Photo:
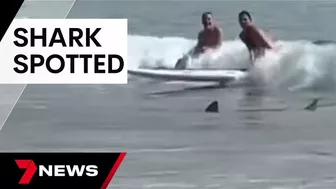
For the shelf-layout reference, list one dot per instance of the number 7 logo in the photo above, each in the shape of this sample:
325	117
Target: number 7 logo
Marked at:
30	167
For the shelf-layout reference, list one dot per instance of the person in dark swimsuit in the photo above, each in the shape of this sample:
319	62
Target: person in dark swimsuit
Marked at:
254	38
209	38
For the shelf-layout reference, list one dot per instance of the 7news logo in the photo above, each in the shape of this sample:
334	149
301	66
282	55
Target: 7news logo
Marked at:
94	170
54	170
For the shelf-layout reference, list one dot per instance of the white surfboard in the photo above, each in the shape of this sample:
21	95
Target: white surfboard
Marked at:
190	75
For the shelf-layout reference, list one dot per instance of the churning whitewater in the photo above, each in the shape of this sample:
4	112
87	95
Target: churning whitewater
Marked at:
298	65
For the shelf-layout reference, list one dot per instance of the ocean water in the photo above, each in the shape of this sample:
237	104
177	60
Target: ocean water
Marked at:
262	138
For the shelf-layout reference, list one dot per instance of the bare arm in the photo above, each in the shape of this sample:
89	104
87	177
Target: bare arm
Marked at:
258	35
198	45
219	37
200	40
252	56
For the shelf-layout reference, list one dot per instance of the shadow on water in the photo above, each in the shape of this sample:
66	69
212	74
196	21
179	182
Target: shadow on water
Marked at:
250	106
254	102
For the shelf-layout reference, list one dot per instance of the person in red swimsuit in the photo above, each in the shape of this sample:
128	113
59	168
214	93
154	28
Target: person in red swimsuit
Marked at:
254	38
209	38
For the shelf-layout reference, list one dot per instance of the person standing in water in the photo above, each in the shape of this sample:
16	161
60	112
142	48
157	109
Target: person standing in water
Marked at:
209	38
254	38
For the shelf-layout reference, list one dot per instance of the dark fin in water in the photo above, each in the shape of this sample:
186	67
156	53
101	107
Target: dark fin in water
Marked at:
324	42
213	107
313	105
244	69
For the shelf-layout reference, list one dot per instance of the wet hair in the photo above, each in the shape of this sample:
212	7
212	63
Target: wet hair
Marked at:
204	14
244	12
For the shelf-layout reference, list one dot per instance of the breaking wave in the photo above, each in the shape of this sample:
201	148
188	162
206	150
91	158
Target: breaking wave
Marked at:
298	65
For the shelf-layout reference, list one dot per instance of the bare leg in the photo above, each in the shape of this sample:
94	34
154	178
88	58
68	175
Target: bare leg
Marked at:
181	63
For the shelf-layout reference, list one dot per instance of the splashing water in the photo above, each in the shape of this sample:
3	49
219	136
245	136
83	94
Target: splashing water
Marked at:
298	65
